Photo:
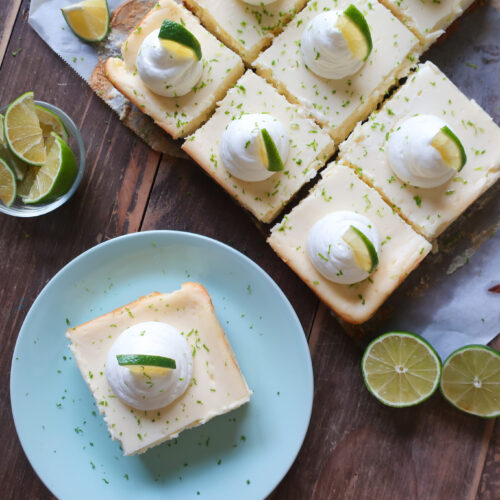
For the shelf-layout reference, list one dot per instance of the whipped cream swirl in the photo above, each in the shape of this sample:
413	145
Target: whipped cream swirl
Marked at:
330	254
165	71
325	49
142	391
241	147
412	157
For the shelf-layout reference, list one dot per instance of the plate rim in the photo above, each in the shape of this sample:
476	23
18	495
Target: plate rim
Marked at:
173	234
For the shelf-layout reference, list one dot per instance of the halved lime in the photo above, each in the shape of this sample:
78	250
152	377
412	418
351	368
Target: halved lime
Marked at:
450	148
401	369
18	167
269	153
50	122
146	364
22	130
364	252
356	31
471	380
175	32
7	184
89	20
56	176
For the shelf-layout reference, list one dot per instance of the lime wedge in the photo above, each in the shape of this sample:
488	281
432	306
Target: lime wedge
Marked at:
450	148
356	31
50	122
145	364
7	184
22	130
471	380
89	20
56	176
18	167
401	369
364	252
24	185
269	153
175	32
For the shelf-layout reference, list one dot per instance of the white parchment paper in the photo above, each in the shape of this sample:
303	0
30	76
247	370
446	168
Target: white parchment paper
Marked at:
452	309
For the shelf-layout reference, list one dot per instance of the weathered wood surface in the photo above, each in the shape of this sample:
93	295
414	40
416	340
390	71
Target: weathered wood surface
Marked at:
355	448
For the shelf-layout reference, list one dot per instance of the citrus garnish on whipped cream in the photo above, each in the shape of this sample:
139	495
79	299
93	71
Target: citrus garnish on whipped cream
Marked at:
336	44
169	60
248	153
424	152
150	389
336	256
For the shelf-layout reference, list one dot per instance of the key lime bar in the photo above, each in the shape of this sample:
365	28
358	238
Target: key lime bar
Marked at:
178	116
245	28
427	18
217	386
401	248
309	150
429	210
338	105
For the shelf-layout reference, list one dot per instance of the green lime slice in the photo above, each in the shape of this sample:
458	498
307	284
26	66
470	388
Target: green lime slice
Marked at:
274	162
170	30
89	20
8	188
18	167
50	122
401	369
471	380
356	31
364	252
22	130
450	148
56	176
146	364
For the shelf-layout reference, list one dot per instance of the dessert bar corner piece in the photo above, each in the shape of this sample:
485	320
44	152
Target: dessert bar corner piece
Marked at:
427	91
245	28
178	116
218	383
310	147
401	251
337	105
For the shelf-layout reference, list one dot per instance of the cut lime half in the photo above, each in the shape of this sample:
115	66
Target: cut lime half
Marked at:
471	380
364	252
175	32
356	31
146	364
401	369
50	122
7	184
89	20
450	148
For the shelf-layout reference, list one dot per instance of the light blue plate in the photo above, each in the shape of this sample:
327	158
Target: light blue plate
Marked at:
243	454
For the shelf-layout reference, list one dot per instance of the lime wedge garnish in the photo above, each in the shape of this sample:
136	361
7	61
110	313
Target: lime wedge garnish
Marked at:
364	252
50	122
270	155
56	176
7	184
356	31
147	364
175	32
471	380
22	130
17	166
450	148
89	20
401	369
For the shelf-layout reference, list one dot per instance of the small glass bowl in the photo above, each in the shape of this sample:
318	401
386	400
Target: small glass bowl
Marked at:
75	142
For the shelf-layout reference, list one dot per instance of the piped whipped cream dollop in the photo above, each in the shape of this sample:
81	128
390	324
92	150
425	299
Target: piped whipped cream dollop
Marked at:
241	148
325	50
330	254
412	157
167	68
142	391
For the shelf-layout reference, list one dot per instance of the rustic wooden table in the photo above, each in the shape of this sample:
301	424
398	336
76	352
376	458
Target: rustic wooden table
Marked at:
355	447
